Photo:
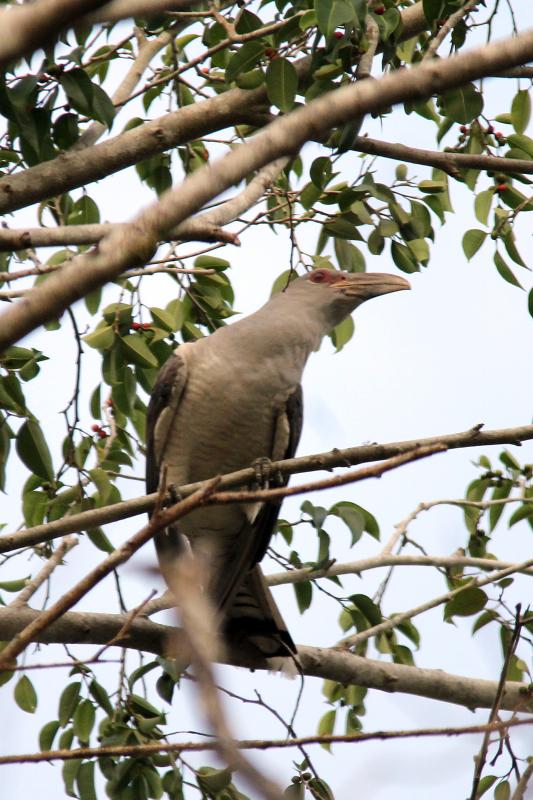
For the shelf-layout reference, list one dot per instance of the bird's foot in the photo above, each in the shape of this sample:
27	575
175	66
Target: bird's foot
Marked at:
265	475
263	472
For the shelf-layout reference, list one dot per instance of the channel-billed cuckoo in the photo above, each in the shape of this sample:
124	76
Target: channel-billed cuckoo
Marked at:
228	401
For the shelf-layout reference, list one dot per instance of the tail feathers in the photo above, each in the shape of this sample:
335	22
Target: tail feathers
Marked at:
254	619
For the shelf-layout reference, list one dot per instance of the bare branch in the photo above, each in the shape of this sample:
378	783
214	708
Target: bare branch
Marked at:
520	791
254	744
388	625
331	663
137	241
55	559
447	161
380	561
336	458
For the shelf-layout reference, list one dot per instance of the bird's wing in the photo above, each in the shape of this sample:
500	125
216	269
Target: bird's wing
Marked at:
164	401
252	617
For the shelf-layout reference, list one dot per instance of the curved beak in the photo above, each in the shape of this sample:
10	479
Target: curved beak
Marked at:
365	285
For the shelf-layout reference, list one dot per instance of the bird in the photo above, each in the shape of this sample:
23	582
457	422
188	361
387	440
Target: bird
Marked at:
230	400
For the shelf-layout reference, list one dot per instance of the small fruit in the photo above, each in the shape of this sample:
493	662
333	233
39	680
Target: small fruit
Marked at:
95	427
146	326
271	52
338	34
499	135
136	326
464	128
102	434
379	10
501	187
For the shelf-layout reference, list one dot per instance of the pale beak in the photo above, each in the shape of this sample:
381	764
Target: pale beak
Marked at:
365	285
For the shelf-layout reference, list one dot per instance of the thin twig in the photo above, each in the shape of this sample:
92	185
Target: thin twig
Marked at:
44	573
254	744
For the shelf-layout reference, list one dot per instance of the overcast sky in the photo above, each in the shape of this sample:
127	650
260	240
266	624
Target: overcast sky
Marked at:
454	352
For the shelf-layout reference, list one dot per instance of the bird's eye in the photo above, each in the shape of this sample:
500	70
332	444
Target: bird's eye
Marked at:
318	276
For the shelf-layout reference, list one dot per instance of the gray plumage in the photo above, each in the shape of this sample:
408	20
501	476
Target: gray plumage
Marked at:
221	403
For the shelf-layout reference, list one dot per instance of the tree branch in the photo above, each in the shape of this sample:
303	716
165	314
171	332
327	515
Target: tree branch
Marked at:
388	625
380	561
447	161
140	750
72	170
161	519
447	27
136	242
335	458
26	28
331	663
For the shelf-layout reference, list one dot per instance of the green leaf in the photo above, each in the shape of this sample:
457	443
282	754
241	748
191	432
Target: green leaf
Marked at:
472	241
244	59
462	104
351	516
138	351
331	15
505	271
403	258
485	784
85	781
466	603
304	595
512	250
342	333
83	721
212	780
500	493
319	788
33	450
367	607
482	206
68	701
14	586
530	302
25	695
69	772
502	791
101	697
326	726
101	338
47	734
521	110
281	83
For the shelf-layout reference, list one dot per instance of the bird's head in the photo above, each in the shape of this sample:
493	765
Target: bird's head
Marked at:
333	295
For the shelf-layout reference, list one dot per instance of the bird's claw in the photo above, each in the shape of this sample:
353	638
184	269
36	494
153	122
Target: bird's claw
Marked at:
265	475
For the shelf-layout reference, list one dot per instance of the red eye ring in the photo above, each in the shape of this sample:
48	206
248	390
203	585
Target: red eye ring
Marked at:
318	276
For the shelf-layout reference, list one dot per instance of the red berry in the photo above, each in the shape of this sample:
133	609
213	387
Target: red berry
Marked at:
379	10
95	427
464	129
146	326
205	70
102	434
501	187
338	34
136	326
498	135
271	52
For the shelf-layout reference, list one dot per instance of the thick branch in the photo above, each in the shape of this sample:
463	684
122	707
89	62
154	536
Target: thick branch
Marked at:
331	663
26	28
203	228
137	241
449	162
334	458
72	170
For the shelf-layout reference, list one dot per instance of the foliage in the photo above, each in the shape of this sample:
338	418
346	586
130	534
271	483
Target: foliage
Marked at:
280	55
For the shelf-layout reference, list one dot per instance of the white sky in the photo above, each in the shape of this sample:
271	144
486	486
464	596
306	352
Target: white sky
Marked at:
453	352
